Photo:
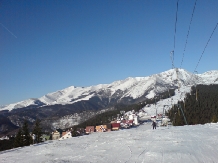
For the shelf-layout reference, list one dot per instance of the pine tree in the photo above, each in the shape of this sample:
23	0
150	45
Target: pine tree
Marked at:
18	142
201	111
37	131
26	135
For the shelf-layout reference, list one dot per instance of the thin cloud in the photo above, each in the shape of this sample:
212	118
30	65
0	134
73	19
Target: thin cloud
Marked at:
8	30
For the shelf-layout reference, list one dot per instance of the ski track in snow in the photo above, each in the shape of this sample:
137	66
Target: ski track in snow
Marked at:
142	144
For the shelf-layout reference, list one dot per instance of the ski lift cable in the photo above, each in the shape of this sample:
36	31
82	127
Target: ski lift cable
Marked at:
193	11
174	39
205	47
215	80
172	53
172	58
186	40
195	83
203	51
174	46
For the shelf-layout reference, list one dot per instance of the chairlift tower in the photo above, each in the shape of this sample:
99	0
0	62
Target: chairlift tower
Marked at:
182	114
196	91
156	105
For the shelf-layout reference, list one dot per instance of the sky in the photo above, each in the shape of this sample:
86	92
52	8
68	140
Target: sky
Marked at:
189	144
49	45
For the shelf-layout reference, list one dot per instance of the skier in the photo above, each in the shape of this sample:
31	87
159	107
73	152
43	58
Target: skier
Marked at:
154	125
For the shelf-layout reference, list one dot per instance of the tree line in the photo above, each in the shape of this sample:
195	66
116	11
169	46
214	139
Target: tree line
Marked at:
23	137
199	107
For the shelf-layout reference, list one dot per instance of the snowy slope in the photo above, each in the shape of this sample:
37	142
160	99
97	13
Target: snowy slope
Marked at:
133	88
166	104
209	77
185	144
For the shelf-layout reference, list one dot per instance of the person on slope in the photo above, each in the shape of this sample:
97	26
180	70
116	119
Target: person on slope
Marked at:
154	125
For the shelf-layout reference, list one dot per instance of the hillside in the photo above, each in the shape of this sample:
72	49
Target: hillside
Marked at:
190	144
129	90
74	105
200	106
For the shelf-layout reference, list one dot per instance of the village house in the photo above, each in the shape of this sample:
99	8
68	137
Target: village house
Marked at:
66	135
55	135
115	126
101	128
90	129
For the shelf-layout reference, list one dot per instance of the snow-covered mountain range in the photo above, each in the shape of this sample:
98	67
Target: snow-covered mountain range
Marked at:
74	105
129	90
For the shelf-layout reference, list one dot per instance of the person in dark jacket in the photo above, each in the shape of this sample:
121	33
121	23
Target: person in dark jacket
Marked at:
154	125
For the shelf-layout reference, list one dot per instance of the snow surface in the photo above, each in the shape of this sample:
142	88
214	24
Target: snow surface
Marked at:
189	144
132	87
166	104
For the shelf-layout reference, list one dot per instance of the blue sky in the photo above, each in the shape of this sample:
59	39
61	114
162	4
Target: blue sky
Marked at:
49	45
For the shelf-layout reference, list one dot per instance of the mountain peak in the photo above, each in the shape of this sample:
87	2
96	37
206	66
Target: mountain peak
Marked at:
131	88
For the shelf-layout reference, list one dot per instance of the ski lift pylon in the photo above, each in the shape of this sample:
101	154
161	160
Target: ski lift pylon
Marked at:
196	91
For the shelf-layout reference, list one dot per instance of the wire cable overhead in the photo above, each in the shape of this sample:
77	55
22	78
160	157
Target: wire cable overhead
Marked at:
174	41
193	11
205	47
195	70
177	6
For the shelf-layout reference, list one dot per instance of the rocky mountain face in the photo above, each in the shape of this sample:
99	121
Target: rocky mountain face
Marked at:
81	103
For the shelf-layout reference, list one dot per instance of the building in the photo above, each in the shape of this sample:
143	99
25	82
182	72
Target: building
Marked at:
115	126
90	129
55	135
66	135
101	128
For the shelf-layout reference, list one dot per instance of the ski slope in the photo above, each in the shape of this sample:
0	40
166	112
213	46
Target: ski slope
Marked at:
167	103
189	144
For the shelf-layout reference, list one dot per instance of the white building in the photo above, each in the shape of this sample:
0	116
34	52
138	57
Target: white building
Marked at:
66	136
